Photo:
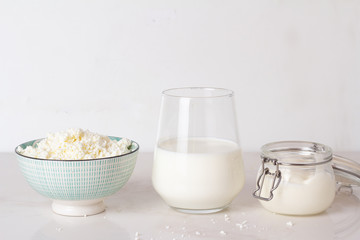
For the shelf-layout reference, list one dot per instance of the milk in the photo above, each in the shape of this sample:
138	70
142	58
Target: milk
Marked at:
300	192
198	173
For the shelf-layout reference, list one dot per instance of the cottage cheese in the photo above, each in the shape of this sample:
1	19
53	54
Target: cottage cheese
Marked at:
76	144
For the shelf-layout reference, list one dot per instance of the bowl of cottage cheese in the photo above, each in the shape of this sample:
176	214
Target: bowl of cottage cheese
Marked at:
77	168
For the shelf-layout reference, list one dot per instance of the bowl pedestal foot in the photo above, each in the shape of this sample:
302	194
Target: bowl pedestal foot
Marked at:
81	208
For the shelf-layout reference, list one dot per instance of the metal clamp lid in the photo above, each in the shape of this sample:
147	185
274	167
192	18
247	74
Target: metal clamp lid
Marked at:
264	172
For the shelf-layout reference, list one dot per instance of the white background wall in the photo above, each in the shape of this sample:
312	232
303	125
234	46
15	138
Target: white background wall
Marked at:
101	65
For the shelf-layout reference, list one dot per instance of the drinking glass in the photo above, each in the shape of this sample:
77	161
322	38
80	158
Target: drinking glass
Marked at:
198	166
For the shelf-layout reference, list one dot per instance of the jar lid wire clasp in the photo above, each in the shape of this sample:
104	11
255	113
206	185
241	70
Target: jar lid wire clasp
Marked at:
276	178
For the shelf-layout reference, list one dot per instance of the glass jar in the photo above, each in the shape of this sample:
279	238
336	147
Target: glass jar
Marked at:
296	178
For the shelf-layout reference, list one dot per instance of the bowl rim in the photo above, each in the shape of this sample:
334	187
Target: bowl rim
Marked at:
78	160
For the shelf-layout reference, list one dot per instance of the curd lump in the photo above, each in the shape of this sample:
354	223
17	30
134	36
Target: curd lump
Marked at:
76	144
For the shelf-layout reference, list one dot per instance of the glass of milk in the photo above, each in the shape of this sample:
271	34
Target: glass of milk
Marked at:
198	166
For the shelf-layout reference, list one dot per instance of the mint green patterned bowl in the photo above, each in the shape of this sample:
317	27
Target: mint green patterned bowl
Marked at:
78	187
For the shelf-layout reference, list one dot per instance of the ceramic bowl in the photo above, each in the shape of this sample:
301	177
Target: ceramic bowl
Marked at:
77	187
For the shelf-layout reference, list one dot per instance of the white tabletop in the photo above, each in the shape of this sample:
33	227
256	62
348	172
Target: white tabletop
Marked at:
137	212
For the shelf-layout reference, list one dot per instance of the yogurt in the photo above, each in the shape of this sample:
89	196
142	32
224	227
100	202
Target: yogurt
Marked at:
301	193
198	173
